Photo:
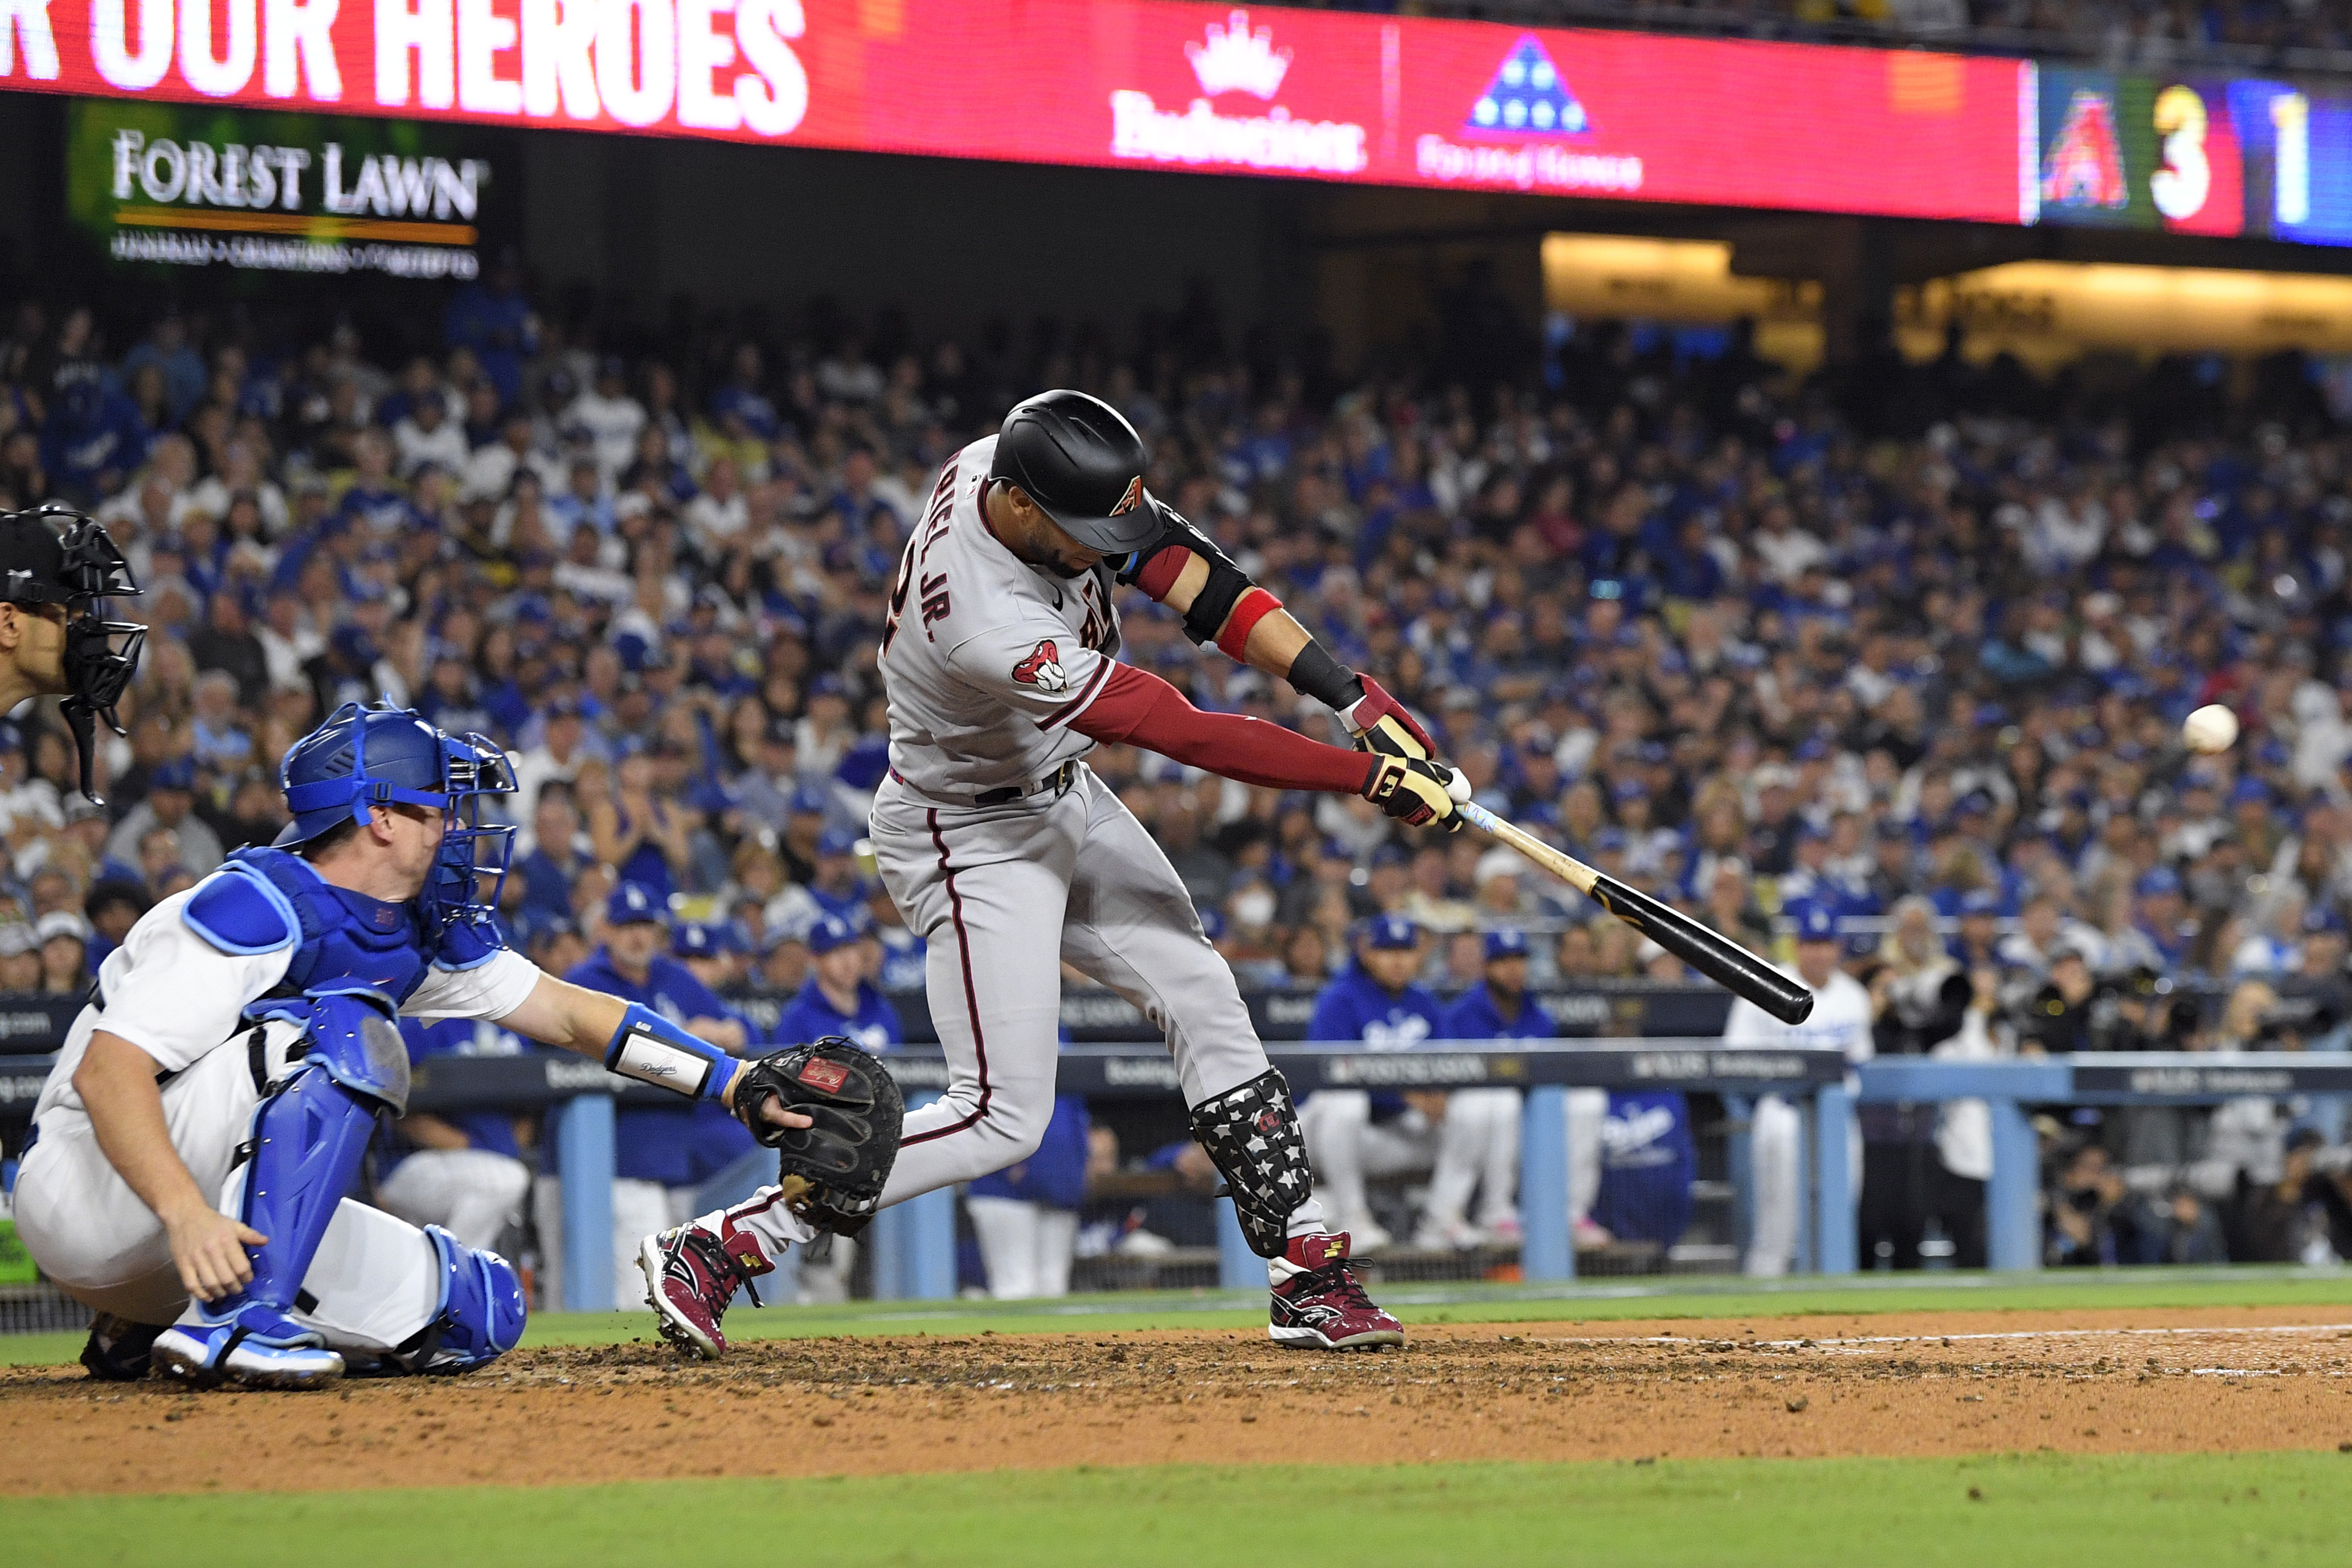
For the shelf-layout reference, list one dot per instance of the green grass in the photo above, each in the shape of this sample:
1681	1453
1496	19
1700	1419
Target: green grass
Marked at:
2280	1510
1598	1301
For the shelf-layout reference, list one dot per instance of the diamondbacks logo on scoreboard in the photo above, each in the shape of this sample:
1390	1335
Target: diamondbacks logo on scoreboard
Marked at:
2084	167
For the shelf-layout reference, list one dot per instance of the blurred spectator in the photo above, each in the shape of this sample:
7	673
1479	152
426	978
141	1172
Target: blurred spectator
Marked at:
1478	1149
663	1155
462	1170
1841	1019
1353	1135
839	999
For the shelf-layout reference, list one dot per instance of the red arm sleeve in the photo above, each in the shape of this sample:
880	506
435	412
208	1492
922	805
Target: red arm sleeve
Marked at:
1138	708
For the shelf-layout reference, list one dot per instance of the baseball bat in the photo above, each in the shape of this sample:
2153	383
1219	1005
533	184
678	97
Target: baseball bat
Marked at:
1728	964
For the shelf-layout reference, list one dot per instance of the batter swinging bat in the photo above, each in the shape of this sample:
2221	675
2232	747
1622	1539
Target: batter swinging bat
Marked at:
1738	971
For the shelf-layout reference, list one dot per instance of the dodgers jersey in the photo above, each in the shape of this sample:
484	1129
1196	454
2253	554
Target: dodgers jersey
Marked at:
987	658
175	995
1839	1021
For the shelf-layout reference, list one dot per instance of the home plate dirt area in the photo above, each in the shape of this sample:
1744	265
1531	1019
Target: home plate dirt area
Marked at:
1878	1385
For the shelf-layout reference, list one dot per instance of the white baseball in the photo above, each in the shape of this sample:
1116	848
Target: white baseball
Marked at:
2211	728
1458	787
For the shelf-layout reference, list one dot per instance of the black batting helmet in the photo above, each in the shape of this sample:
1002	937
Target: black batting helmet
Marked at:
1083	463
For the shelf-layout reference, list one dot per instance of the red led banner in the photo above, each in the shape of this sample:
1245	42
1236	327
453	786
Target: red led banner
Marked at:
1318	95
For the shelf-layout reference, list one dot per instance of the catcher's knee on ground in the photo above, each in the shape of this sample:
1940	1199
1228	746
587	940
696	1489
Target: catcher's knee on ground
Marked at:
381	1290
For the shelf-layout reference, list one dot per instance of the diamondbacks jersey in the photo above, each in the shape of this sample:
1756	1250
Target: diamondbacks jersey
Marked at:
987	659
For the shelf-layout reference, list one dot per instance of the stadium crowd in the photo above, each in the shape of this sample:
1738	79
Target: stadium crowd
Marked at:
1902	646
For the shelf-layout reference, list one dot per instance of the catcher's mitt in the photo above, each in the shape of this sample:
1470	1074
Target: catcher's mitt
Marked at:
832	1172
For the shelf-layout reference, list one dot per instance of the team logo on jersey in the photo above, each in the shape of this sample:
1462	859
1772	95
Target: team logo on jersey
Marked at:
1132	500
1043	668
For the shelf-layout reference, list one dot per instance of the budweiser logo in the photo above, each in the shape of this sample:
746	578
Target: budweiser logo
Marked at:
1236	59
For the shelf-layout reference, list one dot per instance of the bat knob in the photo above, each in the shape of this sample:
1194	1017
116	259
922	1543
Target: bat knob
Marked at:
1458	787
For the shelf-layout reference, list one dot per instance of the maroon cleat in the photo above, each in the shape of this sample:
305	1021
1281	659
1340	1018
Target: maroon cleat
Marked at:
1321	1307
691	1276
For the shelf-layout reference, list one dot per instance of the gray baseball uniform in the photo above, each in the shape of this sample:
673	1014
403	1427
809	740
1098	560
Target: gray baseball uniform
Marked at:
1002	848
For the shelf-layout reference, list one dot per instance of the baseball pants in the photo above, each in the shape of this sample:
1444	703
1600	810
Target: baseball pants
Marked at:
472	1194
1002	896
375	1279
1025	1247
1776	1141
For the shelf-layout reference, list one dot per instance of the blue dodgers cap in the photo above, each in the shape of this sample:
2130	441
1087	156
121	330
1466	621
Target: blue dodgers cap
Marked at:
1815	923
829	932
180	773
695	940
808	800
1213	924
1391	854
1391	932
837	842
632	904
2156	883
1981	901
1505	943
2249	791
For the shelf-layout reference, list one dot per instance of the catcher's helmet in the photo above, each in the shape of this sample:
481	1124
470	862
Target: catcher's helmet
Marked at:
362	757
1083	463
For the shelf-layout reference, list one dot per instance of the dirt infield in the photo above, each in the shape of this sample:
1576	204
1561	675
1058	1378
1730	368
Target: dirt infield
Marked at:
1891	1385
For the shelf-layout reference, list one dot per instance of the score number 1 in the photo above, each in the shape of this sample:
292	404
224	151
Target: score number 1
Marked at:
2291	176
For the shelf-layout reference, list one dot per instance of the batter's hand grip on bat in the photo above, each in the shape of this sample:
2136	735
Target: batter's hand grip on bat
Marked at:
1725	963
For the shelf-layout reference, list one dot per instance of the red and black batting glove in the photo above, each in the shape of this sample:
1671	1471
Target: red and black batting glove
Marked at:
1381	726
1417	793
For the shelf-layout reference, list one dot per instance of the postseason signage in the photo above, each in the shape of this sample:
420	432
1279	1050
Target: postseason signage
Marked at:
1117	83
189	186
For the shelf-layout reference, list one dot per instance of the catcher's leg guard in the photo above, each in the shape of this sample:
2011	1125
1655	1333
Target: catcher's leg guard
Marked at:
309	1138
1251	1132
480	1314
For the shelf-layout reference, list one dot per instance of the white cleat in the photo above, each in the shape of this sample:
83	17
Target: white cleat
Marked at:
219	1354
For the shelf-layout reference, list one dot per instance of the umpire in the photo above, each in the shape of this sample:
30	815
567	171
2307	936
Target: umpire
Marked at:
56	568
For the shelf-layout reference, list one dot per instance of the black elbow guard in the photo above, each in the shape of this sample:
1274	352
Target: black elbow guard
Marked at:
1226	584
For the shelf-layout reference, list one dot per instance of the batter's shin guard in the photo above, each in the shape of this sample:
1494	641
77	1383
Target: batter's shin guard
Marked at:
308	1139
1252	1134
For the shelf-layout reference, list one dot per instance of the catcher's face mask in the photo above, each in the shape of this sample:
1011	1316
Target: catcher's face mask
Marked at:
100	655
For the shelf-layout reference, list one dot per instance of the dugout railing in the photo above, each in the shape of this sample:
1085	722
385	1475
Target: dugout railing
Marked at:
914	1244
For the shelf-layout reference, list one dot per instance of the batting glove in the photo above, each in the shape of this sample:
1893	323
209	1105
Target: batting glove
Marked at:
1417	793
1381	726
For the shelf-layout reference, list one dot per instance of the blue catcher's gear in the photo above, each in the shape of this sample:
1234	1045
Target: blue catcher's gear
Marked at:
650	1048
455	901
479	1316
365	758
262	900
309	1138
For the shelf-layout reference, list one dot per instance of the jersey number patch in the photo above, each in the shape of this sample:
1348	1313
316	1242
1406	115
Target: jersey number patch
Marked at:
1043	670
